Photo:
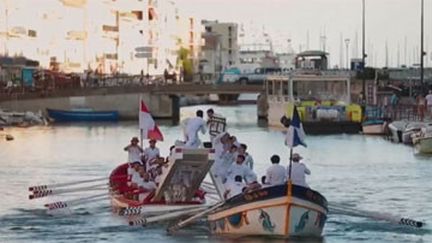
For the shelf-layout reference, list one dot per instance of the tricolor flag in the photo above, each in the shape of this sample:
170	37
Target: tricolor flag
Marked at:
148	127
295	135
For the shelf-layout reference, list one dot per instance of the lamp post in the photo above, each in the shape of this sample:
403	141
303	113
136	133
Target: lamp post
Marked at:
347	42
422	52
363	57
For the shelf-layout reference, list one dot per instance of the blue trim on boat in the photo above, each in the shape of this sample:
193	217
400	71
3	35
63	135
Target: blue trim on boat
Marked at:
82	115
272	192
372	122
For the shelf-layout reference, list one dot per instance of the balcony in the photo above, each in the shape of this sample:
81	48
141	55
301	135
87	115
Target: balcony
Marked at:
110	28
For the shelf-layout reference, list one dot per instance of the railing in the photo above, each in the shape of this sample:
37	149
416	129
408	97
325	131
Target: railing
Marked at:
397	112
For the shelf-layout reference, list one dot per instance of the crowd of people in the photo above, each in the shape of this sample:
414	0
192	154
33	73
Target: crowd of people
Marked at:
233	169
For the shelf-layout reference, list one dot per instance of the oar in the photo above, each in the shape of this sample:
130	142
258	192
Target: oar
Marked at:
64	204
45	193
159	218
142	210
46	187
376	215
195	217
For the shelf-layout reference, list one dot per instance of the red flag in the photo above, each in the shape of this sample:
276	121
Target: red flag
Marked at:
147	124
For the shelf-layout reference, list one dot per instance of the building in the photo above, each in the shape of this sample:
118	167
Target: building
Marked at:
107	36
223	49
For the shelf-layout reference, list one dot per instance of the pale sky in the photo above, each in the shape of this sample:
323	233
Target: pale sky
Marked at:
386	20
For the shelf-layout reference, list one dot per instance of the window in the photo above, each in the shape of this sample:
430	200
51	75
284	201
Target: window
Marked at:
208	29
229	52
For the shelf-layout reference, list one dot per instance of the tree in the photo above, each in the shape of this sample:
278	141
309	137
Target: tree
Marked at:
184	60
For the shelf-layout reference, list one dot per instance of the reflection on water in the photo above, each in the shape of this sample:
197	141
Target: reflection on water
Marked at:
367	173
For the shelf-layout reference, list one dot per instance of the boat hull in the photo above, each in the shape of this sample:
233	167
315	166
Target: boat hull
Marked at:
82	116
395	132
280	217
373	129
423	145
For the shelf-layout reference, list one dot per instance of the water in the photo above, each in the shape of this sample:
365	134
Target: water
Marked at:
367	173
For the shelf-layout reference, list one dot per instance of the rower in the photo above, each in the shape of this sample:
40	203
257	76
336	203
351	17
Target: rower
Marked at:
134	150
146	185
239	168
193	126
276	173
298	171
235	187
248	158
150	153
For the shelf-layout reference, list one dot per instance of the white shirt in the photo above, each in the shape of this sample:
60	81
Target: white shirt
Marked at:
150	154
242	170
134	154
234	188
193	126
249	161
136	178
299	171
147	185
276	174
429	99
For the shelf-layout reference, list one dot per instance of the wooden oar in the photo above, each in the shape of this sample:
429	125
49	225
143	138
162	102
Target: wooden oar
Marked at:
45	193
167	216
194	217
143	210
375	215
64	204
46	187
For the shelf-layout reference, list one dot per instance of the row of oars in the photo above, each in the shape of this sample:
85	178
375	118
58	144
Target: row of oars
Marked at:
41	191
154	214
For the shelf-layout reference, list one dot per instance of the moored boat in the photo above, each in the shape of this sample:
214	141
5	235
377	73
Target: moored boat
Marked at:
423	140
396	129
79	115
374	127
280	211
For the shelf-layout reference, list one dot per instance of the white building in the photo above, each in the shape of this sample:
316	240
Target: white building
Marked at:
220	50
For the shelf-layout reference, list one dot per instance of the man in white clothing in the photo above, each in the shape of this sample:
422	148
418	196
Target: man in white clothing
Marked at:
234	188
239	168
146	185
216	124
276	173
193	126
248	158
298	171
134	150
150	153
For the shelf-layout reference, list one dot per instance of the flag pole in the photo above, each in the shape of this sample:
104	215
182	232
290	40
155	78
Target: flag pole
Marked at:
290	165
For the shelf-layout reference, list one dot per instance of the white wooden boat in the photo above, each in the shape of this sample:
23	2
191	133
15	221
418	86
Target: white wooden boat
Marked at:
280	211
423	140
374	127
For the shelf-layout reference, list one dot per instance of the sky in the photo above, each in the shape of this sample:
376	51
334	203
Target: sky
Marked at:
393	21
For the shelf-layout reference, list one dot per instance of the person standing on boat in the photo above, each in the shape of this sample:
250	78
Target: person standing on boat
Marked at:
248	158
276	173
239	168
193	126
150	154
134	150
298	171
216	124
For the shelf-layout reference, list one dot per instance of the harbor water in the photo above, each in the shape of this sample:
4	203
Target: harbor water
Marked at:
362	172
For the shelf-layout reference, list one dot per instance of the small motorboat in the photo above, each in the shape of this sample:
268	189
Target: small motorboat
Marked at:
396	130
374	127
82	115
423	140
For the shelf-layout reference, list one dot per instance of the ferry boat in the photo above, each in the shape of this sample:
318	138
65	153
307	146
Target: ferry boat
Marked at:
322	97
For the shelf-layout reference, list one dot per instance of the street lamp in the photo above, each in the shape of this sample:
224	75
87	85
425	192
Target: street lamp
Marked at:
363	56
347	41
